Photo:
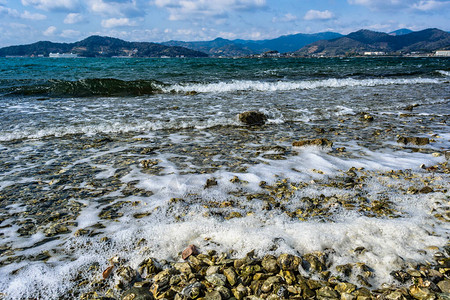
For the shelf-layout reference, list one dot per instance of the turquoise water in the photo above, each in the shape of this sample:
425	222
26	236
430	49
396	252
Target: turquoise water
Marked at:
93	152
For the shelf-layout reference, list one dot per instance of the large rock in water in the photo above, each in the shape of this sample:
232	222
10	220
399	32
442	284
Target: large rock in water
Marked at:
316	142
253	118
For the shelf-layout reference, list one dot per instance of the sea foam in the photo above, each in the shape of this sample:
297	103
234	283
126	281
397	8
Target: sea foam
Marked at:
264	86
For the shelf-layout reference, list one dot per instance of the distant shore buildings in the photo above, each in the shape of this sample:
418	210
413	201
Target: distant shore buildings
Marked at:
63	55
442	53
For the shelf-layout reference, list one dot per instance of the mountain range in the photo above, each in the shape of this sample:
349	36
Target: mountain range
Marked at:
320	44
282	44
98	46
361	41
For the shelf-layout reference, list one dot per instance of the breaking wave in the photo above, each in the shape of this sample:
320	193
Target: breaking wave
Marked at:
248	85
110	87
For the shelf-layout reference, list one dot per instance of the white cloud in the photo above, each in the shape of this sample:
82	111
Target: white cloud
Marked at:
9	11
286	18
429	5
396	5
183	9
117	22
50	31
318	15
374	3
58	5
73	18
128	8
30	16
69	33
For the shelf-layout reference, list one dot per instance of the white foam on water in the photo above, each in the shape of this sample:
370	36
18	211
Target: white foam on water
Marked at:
389	243
115	127
445	73
263	86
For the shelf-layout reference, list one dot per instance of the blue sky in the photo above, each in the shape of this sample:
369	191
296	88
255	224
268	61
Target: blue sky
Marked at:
27	21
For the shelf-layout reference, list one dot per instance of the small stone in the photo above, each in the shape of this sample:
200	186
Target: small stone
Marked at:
289	262
224	292
347	296
345	287
269	283
327	292
419	141
362	292
210	182
183	267
107	272
345	269
288	276
281	292
216	279
240	292
395	295
190	250
414	273
136	293
426	190
127	275
444	285
193	290
367	117
231	276
269	263
214	295
322	142
401	276
421	293
410	107
314	263
212	270
148	267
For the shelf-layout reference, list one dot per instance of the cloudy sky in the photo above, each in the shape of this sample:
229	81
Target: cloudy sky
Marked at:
27	21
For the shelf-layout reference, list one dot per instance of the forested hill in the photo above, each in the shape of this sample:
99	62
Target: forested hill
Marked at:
99	46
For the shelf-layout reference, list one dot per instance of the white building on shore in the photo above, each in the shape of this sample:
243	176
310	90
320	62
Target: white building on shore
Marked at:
62	55
442	53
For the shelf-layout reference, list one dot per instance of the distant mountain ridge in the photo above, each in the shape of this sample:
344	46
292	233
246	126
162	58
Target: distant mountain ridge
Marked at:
401	31
100	46
319	44
427	40
282	44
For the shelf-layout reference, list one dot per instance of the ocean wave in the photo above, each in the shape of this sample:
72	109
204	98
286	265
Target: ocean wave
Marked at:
110	87
262	86
87	88
445	73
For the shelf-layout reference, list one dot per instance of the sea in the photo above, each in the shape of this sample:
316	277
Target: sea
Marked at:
131	158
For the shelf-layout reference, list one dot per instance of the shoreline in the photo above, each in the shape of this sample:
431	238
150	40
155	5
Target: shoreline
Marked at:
215	276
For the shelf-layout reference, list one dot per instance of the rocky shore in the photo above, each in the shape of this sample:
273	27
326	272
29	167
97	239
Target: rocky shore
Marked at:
215	276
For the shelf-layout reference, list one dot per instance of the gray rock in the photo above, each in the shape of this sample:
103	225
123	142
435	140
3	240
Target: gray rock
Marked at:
269	263
214	295
135	293
444	285
216	279
231	276
193	290
289	262
253	118
327	292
